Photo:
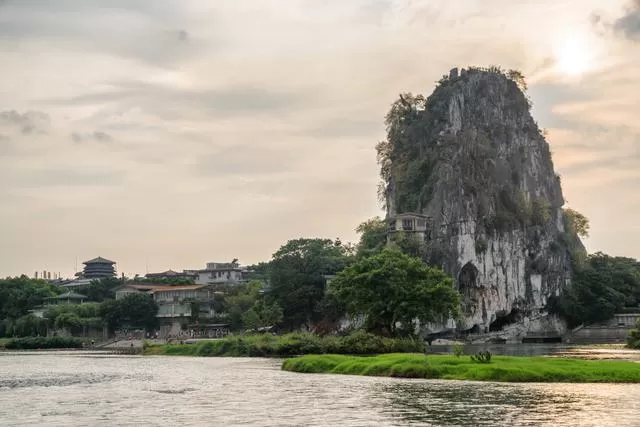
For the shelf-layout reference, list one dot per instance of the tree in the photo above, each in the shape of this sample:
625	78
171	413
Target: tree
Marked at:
392	290
102	289
134	310
373	236
601	287
20	294
297	277
577	222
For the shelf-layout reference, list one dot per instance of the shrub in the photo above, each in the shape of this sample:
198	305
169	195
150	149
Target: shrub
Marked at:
31	343
634	337
458	350
482	357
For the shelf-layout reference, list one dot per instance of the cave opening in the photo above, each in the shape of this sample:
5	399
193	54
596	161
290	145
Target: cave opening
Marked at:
514	316
468	277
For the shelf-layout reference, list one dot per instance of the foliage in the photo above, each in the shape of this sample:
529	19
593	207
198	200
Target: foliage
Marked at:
43	342
291	345
262	314
134	310
373	236
164	280
297	277
101	289
20	294
392	289
576	222
505	368
481	245
25	326
458	350
481	357
634	336
603	286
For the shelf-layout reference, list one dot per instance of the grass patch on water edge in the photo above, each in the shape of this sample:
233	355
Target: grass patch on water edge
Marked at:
501	368
295	344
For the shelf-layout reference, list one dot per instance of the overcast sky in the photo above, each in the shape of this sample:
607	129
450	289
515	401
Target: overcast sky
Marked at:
171	133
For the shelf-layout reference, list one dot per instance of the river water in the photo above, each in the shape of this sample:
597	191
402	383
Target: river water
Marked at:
83	389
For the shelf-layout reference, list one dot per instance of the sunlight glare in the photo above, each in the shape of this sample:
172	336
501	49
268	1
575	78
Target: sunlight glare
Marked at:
573	56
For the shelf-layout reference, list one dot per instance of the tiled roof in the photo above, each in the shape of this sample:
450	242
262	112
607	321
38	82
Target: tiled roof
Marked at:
99	260
179	288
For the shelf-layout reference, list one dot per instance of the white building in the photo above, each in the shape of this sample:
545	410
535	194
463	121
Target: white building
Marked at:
221	273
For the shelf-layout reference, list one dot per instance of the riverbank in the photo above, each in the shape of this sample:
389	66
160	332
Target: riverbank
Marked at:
294	344
501	368
41	343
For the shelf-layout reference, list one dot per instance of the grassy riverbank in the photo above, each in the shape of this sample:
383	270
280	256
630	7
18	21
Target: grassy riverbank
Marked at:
289	345
501	368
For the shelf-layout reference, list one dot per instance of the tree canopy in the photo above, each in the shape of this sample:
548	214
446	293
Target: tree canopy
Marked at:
392	290
297	277
601	287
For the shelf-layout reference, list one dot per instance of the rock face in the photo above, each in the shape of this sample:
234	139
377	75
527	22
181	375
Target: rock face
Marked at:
468	174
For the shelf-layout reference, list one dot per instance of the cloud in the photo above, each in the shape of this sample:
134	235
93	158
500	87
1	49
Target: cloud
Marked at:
55	177
25	123
170	102
629	24
97	136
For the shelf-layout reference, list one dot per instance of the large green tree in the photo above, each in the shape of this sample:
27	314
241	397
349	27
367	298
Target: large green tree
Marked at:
392	290
133	311
297	277
20	294
602	286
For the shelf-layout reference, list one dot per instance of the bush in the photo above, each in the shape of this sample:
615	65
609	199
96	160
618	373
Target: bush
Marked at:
43	342
482	357
634	337
458	350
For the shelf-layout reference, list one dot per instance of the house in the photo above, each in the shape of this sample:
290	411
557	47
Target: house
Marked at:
221	273
408	222
177	304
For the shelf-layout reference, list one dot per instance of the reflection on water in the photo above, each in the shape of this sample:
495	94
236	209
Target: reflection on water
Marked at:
446	403
68	389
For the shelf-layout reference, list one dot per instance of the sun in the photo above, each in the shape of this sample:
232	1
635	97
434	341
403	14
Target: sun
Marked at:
573	56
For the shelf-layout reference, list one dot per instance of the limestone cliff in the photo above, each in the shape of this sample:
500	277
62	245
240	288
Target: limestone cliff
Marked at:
469	173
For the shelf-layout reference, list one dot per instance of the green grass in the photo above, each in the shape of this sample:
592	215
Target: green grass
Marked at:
266	345
4	341
501	368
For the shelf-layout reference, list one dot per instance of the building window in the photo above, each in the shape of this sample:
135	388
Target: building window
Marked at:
392	225
407	224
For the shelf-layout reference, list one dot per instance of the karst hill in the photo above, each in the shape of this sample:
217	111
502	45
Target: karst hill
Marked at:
468	172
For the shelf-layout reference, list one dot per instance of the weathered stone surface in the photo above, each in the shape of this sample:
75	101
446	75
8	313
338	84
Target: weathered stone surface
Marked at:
474	162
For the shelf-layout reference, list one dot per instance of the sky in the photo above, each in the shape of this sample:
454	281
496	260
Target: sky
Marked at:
165	134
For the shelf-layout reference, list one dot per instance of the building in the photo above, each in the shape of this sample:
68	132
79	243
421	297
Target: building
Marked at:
408	222
98	268
68	297
176	304
221	273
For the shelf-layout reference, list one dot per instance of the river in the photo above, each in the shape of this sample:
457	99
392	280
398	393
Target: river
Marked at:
84	389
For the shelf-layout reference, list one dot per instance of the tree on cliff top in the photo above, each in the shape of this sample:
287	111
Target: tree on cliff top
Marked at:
392	289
